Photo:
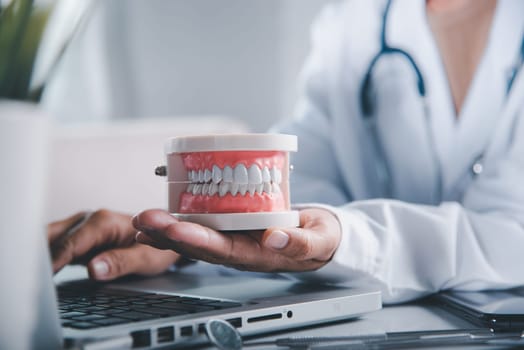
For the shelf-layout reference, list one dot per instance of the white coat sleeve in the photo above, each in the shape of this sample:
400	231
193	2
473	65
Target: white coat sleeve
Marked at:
412	250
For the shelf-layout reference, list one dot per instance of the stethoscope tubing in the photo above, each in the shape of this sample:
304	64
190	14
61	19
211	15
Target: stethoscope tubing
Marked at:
382	168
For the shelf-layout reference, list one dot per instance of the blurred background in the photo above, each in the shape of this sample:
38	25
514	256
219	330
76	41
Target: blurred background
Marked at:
140	72
164	58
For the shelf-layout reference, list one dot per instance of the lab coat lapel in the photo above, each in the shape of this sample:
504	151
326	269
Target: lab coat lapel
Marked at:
414	36
352	142
459	142
486	98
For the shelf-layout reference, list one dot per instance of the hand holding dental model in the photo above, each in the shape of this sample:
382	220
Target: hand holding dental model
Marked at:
78	239
305	248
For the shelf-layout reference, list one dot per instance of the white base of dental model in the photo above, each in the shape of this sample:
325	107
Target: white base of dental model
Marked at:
243	221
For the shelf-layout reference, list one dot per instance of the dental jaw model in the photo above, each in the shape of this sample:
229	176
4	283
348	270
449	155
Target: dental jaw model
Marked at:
231	182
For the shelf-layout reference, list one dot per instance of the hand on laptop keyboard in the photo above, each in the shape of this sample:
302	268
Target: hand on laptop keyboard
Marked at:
105	242
275	250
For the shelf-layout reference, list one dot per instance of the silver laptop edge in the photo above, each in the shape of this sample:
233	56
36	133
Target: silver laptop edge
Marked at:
271	315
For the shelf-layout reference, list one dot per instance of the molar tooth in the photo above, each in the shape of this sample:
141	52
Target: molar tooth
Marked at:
254	175
266	176
190	188
234	188
259	188
207	175
194	176
267	187
190	176
197	189
200	176
242	189
276	175
227	174
213	189
240	174
223	188
217	174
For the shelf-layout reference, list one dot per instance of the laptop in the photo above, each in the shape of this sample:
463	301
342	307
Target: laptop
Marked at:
170	310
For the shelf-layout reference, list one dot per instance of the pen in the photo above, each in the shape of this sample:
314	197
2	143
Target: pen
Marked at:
419	340
393	339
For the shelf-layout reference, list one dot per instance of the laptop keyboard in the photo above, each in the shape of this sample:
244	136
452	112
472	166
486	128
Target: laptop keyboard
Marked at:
81	309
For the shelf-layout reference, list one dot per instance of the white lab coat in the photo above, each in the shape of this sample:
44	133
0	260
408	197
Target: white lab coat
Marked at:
468	237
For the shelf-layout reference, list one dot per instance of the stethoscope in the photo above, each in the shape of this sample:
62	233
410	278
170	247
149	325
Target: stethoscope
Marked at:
367	105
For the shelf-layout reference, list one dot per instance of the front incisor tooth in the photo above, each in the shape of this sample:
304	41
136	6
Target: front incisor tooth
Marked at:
267	187
276	188
242	189
266	176
240	175
276	175
251	188
234	188
216	174
227	174
259	188
254	175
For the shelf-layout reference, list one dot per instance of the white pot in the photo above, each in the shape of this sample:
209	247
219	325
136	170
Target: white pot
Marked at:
24	261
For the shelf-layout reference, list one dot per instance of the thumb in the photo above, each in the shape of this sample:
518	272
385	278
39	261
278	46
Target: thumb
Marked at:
137	259
316	239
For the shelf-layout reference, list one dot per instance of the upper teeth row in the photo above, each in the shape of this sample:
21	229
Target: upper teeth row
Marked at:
238	175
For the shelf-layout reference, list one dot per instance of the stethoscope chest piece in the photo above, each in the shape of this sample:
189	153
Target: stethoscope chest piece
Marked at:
478	166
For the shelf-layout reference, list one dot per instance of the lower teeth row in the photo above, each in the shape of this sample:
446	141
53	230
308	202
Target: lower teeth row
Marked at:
233	188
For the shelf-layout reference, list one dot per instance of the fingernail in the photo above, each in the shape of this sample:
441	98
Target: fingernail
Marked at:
138	225
277	240
159	218
100	268
143	238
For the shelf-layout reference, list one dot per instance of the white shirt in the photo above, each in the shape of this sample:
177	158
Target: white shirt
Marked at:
443	228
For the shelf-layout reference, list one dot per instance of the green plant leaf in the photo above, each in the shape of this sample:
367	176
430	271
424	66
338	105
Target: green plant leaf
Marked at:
22	25
27	52
13	22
